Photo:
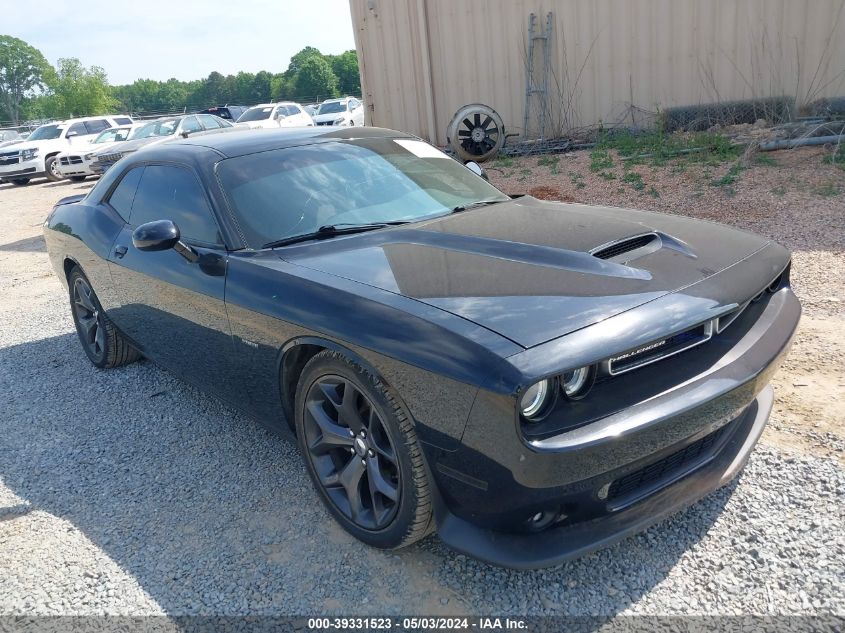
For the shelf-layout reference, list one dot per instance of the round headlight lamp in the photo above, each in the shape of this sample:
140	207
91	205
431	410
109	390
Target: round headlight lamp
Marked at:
576	383
534	400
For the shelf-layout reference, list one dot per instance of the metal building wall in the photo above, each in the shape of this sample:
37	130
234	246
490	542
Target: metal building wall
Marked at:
423	59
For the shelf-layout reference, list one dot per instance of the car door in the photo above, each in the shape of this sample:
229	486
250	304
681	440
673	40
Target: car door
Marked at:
172	308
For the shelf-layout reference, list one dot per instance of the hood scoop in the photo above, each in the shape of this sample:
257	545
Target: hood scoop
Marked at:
622	251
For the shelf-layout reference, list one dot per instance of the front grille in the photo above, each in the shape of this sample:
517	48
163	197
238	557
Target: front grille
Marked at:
666	470
324	122
10	158
625	246
110	158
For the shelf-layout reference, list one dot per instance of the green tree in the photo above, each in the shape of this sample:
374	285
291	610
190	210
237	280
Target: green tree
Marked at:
315	79
345	68
23	71
79	91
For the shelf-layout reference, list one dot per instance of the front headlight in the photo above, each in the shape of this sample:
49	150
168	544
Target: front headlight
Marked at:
534	402
576	383
340	121
29	154
88	156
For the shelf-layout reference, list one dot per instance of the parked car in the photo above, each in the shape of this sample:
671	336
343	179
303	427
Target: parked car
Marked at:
345	111
311	108
37	155
156	131
227	112
275	115
76	164
531	379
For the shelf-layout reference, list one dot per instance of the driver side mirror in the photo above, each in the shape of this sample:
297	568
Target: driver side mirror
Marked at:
71	134
476	169
162	235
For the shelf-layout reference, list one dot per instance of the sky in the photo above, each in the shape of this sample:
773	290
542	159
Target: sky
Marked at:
185	39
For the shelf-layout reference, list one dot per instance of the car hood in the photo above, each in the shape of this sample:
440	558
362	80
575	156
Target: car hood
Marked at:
81	150
59	142
330	117
531	270
134	145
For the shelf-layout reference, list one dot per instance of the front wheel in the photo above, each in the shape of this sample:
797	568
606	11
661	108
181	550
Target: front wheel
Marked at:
51	169
104	345
361	452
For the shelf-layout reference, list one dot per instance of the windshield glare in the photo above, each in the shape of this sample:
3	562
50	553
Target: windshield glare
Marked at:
294	191
46	132
164	127
332	107
113	134
256	114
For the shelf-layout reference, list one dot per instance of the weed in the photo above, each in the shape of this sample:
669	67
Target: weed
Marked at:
729	178
600	159
654	193
548	161
828	190
608	175
658	147
635	180
765	160
837	158
504	161
779	191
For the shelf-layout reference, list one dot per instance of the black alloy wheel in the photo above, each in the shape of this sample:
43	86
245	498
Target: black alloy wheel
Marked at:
351	452
89	320
104	345
360	447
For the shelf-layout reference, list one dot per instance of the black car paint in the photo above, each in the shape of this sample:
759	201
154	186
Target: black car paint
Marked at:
231	323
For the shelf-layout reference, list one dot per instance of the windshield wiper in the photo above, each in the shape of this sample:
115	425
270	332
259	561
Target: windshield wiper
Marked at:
473	205
331	230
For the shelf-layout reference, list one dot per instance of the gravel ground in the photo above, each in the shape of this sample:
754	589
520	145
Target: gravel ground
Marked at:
129	492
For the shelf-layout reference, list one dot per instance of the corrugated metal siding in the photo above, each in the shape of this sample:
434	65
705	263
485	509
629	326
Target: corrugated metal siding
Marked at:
606	56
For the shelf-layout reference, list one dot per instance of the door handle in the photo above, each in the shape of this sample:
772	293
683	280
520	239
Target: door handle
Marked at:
120	251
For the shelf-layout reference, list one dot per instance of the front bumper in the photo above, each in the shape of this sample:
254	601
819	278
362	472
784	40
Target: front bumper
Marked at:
24	169
557	545
675	447
75	166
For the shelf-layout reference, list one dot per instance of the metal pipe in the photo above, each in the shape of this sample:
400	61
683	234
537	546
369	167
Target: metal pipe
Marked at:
792	143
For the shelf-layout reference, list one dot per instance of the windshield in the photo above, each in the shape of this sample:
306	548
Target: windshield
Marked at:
256	114
163	127
332	107
46	132
294	191
113	134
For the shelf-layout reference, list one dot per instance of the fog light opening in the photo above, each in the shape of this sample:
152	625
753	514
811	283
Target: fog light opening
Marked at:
542	519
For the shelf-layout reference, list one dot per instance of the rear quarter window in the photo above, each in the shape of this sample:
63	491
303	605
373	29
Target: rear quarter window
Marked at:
123	195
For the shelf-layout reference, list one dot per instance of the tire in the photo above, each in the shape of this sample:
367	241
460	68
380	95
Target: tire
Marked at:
20	182
384	465
78	178
104	345
51	170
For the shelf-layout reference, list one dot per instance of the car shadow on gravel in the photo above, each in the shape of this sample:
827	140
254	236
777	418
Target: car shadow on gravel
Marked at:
29	244
210	513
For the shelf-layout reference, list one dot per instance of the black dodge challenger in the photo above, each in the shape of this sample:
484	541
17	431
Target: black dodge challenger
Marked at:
532	380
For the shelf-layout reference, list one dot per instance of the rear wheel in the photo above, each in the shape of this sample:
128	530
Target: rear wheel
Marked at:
51	169
20	182
361	452
103	344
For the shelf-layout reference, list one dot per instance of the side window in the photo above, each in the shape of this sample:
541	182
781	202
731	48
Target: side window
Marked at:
122	196
96	126
190	124
208	121
353	104
77	129
174	193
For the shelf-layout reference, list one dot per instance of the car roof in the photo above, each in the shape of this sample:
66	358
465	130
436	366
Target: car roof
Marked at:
243	141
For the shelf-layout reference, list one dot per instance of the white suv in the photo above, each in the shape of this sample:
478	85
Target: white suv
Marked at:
274	115
37	156
345	111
